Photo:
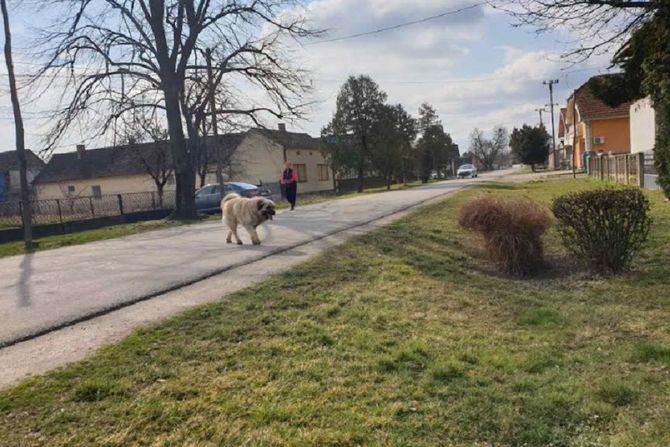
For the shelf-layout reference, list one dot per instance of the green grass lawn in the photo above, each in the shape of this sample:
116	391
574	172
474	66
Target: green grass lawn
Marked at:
83	237
398	338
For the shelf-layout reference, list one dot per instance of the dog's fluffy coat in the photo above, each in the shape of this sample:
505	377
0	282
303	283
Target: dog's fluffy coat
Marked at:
249	213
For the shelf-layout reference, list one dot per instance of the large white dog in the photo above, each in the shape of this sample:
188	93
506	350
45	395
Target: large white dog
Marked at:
249	213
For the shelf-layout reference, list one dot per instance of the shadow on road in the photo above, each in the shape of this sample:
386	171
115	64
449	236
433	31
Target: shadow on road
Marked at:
24	290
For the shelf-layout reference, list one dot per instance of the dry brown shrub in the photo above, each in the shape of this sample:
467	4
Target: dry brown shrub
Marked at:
512	230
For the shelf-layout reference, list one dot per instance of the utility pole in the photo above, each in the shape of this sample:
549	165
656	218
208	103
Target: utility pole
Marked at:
215	127
540	112
551	83
574	132
26	205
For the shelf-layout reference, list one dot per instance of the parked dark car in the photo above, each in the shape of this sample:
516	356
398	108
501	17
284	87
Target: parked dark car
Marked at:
208	198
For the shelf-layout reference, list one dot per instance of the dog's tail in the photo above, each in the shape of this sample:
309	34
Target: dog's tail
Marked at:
230	196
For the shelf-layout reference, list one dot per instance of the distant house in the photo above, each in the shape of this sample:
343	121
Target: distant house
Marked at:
10	183
562	158
259	159
95	172
256	156
599	128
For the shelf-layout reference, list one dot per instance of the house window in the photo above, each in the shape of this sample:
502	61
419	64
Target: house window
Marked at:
97	191
70	189
297	152
323	172
301	169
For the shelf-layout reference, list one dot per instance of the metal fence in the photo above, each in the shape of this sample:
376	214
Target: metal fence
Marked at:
83	208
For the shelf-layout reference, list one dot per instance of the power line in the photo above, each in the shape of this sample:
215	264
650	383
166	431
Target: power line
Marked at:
397	26
465	80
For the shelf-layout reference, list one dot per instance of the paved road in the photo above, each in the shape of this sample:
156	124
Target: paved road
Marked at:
52	289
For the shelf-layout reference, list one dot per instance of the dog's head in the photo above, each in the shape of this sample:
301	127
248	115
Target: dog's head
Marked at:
266	208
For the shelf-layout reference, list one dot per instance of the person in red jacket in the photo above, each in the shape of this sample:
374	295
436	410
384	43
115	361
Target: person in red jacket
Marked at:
289	183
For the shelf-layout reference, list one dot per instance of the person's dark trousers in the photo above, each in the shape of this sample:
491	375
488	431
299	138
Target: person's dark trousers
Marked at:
291	193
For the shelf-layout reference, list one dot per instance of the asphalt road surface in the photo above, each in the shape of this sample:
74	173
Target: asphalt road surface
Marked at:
51	290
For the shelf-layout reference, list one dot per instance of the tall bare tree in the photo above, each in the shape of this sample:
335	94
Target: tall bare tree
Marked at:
489	149
26	208
147	142
598	25
154	50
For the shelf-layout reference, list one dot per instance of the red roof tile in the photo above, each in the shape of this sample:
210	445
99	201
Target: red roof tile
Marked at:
592	108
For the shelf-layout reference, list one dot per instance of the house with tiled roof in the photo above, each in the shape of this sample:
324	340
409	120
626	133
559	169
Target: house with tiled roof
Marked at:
256	156
122	169
10	185
260	157
594	126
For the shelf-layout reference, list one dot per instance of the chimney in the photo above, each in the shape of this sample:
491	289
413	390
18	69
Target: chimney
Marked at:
80	151
281	127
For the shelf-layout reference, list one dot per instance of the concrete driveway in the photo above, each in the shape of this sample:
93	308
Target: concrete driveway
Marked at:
53	289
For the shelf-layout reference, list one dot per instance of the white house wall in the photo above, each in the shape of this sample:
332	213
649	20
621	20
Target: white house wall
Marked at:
259	159
311	159
642	126
108	185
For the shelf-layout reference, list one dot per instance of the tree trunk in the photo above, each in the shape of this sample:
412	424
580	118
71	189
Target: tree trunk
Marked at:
160	196
215	127
361	179
26	209
532	167
389	180
184	170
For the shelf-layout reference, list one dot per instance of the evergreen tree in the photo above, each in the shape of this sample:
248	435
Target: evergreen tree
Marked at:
350	133
530	145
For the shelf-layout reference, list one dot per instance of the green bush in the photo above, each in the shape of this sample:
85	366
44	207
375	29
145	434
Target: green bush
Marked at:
604	228
512	230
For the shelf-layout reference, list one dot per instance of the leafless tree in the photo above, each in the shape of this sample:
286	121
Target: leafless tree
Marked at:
598	25
147	141
26	208
489	150
119	55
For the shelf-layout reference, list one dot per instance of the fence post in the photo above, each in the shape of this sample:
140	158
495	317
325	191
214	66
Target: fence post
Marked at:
627	169
120	203
21	212
640	169
60	211
90	204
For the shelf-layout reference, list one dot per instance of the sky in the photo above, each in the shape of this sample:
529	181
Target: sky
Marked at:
474	67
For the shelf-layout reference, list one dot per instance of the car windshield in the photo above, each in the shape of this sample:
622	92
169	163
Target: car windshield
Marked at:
466	167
